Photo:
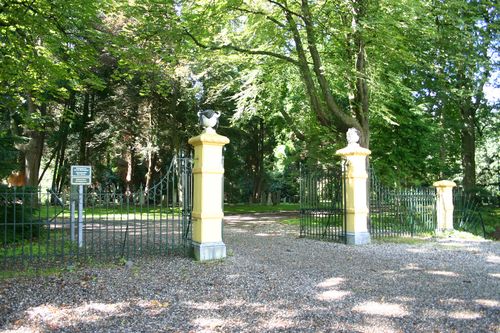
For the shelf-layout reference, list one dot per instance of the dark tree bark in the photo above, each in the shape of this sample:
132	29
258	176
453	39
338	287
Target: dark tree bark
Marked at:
33	149
468	136
84	130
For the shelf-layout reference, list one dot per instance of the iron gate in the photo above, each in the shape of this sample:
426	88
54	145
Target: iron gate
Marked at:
42	229
467	213
322	198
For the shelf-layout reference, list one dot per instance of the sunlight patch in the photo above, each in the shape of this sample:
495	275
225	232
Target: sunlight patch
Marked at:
279	323
412	267
497	275
90	312
420	250
203	306
208	323
442	273
465	315
332	295
332	282
493	259
488	302
381	309
390	271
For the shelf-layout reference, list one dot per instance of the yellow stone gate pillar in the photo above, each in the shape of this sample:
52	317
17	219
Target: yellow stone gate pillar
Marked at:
355	189
444	204
207	212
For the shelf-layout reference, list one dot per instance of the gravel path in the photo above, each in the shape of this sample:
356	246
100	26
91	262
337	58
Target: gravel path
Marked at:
271	282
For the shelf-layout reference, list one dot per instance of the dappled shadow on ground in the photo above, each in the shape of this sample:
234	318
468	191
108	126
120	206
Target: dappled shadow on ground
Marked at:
272	284
262	224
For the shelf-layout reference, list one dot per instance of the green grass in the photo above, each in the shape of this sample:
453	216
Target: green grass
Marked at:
29	273
48	244
259	208
293	221
117	213
402	240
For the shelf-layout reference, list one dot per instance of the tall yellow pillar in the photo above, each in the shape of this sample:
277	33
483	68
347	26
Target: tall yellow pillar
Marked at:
444	204
356	190
207	212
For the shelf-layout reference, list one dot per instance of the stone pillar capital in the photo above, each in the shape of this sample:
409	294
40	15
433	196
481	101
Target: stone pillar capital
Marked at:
207	138
444	184
353	149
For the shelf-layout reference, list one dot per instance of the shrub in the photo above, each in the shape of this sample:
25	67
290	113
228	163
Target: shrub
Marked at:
18	212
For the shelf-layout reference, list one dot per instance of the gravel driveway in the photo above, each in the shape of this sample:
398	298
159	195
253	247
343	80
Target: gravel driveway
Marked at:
271	282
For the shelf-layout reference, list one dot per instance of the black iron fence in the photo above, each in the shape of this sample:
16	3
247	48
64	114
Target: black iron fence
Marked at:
40	228
322	198
400	211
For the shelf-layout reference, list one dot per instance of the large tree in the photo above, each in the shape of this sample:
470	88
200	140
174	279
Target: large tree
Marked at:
46	52
460	62
338	48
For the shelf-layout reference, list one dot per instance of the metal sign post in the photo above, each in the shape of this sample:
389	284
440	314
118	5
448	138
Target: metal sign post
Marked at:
80	175
80	215
72	219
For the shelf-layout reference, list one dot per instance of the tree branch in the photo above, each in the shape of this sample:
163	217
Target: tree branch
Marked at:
285	8
249	11
344	121
306	73
241	50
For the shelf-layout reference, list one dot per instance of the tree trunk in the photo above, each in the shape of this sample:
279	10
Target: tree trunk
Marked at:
130	163
259	175
34	148
468	136
151	157
84	132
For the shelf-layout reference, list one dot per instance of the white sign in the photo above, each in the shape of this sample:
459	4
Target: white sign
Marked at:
81	175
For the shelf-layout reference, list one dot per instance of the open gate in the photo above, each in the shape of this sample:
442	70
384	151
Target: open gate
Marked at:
40	229
322	198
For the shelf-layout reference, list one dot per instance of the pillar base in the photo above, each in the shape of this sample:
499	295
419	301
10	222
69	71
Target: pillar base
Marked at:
358	238
438	231
209	251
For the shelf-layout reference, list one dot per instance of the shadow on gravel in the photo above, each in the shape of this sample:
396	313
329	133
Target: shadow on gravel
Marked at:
271	284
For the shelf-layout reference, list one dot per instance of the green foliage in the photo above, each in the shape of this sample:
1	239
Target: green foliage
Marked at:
491	218
8	154
117	84
19	220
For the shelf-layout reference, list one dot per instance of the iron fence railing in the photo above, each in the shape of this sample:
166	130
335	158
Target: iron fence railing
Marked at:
41	228
400	211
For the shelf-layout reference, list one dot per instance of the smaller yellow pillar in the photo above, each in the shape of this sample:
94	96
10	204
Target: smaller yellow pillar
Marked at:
356	190
207	197
444	204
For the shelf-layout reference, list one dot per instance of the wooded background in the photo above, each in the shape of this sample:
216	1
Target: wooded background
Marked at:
117	85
